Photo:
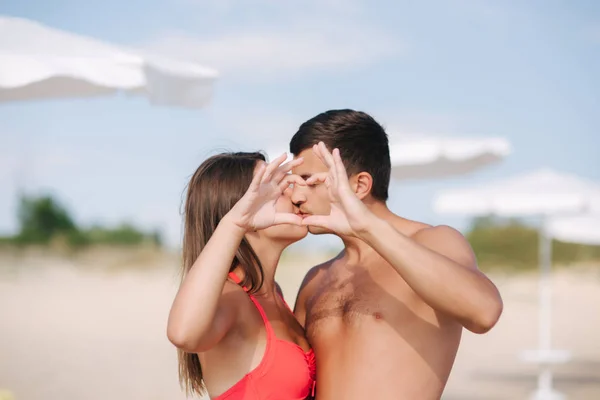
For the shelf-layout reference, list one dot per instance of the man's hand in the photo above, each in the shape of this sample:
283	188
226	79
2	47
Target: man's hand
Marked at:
348	216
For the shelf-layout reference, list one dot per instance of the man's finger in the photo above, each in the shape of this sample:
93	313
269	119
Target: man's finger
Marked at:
316	220
339	166
287	218
326	155
318	153
330	162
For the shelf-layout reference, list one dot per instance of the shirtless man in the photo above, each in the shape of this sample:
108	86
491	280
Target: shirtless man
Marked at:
385	316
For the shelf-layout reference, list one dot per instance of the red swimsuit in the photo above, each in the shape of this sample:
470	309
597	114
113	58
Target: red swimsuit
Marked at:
286	371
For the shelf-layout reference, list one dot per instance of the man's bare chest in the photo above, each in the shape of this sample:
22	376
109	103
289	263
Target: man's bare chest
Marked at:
347	298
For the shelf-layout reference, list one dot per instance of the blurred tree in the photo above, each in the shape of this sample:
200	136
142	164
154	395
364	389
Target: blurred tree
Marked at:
41	218
125	234
44	221
511	243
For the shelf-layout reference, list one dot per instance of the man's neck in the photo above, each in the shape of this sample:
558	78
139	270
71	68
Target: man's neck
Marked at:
355	250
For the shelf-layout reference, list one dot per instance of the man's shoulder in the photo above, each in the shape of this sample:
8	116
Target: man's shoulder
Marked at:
449	242
315	272
407	227
309	285
437	232
426	234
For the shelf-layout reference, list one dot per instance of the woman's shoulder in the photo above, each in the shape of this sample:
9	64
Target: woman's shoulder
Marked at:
236	302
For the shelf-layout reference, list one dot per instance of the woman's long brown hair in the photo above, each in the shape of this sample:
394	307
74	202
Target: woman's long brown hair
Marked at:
218	183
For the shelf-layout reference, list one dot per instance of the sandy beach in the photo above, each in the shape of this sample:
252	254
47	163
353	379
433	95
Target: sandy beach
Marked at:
83	333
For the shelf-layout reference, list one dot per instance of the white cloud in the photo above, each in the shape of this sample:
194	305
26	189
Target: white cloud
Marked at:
262	55
258	128
286	39
413	122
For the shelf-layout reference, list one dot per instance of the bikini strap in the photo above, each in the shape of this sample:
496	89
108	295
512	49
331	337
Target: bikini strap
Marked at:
237	280
263	315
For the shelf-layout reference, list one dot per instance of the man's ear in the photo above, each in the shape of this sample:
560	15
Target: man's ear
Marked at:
361	184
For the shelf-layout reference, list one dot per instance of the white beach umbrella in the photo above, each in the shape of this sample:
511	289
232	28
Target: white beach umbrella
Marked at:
442	157
582	229
437	157
546	194
40	62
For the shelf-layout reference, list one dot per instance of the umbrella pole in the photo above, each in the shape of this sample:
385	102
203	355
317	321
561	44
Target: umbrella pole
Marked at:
545	289
545	390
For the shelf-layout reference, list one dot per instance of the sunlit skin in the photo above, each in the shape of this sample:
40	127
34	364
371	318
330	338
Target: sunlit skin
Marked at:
211	315
317	194
385	316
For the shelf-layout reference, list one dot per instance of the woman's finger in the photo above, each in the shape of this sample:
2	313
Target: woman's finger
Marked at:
285	168
319	177
258	176
272	167
290	179
288	166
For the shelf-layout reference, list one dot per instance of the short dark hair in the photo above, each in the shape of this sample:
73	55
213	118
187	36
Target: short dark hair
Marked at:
362	142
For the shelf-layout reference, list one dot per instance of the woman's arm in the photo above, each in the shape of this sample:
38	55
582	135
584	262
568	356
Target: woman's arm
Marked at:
202	312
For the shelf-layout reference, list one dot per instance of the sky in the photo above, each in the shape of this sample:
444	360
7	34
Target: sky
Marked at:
523	70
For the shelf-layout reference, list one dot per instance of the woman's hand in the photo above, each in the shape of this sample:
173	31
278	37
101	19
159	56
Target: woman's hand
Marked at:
256	209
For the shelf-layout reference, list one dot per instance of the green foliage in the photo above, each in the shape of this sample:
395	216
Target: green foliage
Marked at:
124	234
510	243
41	219
44	221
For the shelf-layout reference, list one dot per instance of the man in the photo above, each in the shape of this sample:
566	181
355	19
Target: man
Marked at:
385	316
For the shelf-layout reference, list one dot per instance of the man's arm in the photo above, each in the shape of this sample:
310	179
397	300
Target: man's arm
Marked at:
439	265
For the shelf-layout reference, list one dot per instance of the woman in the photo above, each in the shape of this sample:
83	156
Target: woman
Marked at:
236	336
